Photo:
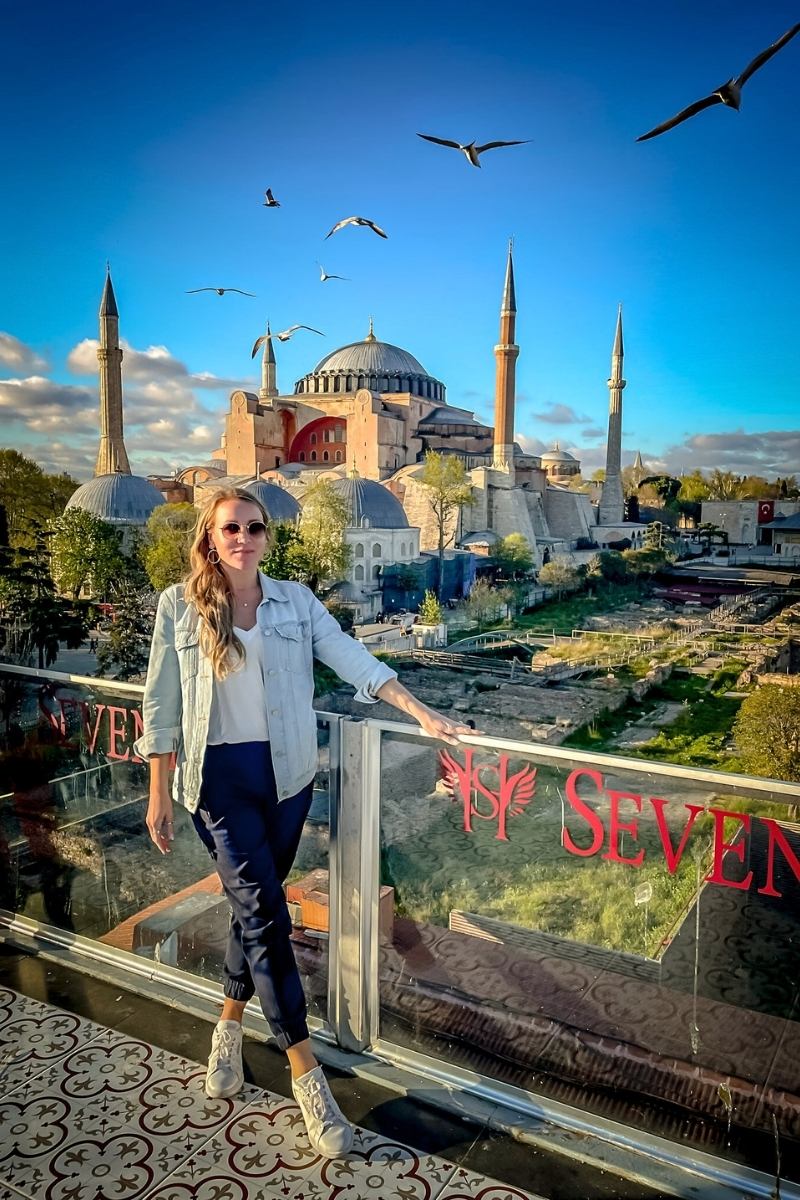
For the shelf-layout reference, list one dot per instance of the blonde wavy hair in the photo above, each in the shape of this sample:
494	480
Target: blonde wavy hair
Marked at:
208	589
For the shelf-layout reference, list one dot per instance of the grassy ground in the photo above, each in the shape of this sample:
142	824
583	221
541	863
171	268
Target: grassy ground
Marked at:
696	738
573	612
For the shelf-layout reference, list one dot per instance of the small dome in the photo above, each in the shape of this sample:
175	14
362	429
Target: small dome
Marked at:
119	499
481	537
280	504
557	455
371	504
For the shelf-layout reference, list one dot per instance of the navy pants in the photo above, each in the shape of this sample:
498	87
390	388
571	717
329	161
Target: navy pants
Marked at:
253	841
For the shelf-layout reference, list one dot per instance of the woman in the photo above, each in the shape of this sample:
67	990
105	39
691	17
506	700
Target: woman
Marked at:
230	688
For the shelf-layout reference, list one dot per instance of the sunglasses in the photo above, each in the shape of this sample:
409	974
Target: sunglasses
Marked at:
232	529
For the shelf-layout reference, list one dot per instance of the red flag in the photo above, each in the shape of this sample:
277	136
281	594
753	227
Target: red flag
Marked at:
766	511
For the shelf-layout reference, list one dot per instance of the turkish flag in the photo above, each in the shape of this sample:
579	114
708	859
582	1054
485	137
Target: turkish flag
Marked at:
766	511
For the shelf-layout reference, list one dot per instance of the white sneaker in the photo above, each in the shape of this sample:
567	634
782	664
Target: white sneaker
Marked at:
329	1130
225	1076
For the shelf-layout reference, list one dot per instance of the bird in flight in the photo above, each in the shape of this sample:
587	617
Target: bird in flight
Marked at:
283	336
729	93
470	150
323	274
219	291
357	221
270	201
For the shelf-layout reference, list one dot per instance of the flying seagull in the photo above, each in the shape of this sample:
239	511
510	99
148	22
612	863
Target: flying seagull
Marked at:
729	93
283	336
323	274
219	291
470	150
270	201
357	221
287	333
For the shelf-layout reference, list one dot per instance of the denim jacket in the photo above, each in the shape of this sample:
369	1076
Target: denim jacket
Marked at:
297	628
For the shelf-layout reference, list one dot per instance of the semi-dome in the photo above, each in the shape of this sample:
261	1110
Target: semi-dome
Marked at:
119	499
280	504
372	505
379	366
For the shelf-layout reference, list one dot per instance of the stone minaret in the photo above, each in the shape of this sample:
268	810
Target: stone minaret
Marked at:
505	377
269	371
111	456
612	503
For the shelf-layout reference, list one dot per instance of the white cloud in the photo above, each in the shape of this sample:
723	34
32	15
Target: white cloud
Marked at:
773	452
561	414
165	422
16	356
152	367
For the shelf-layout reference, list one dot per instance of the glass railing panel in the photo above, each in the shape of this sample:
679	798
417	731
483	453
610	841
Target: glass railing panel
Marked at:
75	853
617	936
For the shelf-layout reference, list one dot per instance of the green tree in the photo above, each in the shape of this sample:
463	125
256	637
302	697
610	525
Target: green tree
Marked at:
128	644
31	498
767	732
430	610
610	566
694	487
485	603
284	553
86	550
449	490
322	553
513	555
560	575
166	542
724	485
34	619
646	561
656	535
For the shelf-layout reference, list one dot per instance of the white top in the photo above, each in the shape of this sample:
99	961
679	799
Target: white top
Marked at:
238	702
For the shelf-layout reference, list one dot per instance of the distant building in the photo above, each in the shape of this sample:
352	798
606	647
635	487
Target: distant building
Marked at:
786	536
747	522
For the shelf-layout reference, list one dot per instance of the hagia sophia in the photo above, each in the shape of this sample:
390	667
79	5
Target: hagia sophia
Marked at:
365	417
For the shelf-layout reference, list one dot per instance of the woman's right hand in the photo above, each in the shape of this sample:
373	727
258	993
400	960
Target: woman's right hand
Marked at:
159	821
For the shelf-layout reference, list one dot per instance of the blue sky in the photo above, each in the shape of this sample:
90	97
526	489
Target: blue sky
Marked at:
146	134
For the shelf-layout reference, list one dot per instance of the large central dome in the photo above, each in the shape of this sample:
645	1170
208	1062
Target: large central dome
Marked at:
379	366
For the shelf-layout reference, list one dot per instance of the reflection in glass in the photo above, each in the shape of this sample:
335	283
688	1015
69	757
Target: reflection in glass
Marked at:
557	924
74	850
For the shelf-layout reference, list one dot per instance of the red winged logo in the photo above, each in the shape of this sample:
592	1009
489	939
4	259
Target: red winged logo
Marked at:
480	802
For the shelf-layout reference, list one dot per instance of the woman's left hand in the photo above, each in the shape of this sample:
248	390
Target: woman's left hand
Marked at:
440	726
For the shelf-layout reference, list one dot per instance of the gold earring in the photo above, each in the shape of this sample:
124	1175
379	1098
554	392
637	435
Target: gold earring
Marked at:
211	560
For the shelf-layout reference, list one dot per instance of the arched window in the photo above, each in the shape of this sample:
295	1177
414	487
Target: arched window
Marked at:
376	570
359	549
402	549
338	456
313	456
313	439
359	571
325	455
377	551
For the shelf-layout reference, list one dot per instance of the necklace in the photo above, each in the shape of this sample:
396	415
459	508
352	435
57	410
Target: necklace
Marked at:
246	603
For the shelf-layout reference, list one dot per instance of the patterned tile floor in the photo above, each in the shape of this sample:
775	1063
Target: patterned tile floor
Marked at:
87	1113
